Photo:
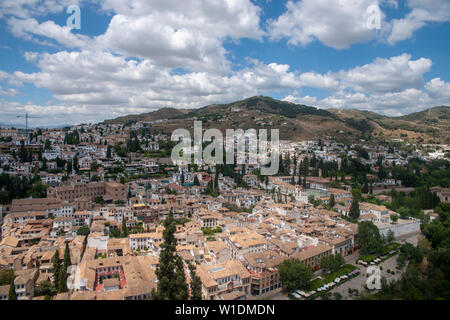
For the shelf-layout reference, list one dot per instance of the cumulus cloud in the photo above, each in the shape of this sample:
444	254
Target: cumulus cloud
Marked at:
387	75
98	77
29	28
31	8
337	24
422	13
393	86
170	53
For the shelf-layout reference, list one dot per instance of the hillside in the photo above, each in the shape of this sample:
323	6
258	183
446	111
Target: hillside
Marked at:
298	122
163	113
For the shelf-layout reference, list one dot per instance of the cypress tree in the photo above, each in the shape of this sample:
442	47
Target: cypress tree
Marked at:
56	267
196	284
182	292
196	182
366	187
354	209
67	261
332	200
171	281
62	280
124	228
12	291
280	168
216	181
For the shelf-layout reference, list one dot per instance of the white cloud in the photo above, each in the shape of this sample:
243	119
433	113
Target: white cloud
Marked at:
101	78
175	34
8	92
306	100
98	78
422	13
438	89
31	8
315	80
387	75
337	24
29	28
134	66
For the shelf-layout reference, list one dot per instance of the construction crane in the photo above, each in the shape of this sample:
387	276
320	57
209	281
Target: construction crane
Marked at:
26	122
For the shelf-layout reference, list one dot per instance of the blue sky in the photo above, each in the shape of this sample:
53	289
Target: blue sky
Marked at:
133	56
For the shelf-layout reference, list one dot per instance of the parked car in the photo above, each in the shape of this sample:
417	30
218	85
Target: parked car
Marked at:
297	296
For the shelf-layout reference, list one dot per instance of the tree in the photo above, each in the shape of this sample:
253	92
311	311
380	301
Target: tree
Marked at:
196	182
83	231
424	245
366	187
108	152
390	236
56	267
369	237
66	261
99	200
45	288
171	279
354	209
332	201
47	145
12	291
6	276
39	190
394	218
331	263
196	284
294	274
62	280
125	231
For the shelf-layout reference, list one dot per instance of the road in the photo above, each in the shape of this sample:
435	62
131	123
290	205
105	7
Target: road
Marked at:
359	282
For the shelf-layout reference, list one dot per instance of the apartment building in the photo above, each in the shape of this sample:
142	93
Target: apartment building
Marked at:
73	191
228	280
311	256
143	241
117	278
246	242
263	267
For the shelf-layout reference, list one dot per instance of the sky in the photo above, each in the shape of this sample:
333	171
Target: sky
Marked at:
135	56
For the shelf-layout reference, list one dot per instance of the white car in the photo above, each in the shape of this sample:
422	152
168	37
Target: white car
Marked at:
295	295
337	280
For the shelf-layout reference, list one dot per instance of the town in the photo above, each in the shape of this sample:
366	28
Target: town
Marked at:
98	212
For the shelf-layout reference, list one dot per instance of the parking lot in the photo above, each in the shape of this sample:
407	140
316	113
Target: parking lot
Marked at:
360	281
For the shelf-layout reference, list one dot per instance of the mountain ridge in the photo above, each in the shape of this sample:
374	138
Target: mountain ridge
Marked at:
297	121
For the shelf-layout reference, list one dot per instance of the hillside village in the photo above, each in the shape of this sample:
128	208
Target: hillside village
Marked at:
99	194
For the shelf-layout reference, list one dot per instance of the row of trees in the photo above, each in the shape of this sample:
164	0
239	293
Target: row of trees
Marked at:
16	187
60	270
170	272
427	276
